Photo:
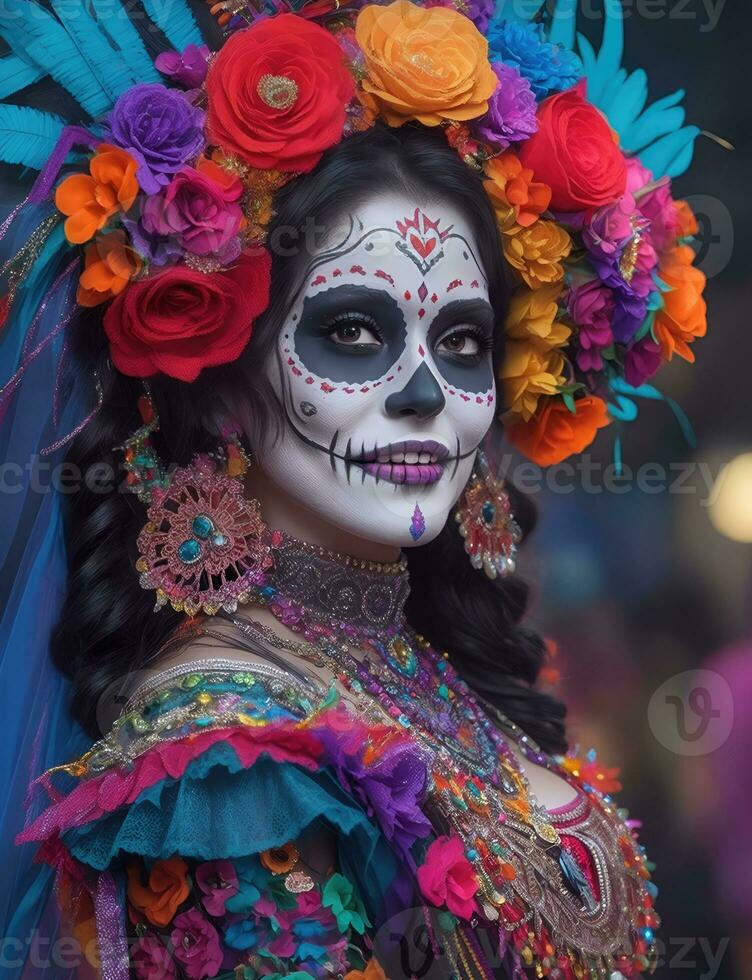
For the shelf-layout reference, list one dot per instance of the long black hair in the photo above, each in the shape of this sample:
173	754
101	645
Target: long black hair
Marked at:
108	627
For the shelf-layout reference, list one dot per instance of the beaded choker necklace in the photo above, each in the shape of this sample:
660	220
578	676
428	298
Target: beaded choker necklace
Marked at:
354	597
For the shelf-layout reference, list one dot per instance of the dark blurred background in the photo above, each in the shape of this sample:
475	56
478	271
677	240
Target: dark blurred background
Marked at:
644	587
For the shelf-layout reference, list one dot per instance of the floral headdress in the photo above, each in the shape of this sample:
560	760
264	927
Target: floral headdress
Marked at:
173	198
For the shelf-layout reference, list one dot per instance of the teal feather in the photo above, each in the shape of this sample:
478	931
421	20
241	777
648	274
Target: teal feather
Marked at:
35	35
176	21
522	10
27	136
94	46
656	133
16	73
123	35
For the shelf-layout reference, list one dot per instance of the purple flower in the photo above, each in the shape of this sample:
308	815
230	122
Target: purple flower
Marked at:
157	249
187	67
642	361
591	306
196	945
511	115
160	129
218	882
480	13
629	314
620	248
151	959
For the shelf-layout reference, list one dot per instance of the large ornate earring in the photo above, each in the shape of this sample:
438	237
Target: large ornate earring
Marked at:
486	523
204	546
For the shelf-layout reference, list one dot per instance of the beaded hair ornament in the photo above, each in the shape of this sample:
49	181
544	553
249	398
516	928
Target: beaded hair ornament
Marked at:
173	184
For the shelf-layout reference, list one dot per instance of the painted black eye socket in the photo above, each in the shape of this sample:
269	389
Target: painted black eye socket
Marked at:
353	329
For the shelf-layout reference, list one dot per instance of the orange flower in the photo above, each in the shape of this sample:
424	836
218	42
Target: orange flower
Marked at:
537	252
511	188
556	433
372	971
533	315
683	317
428	64
529	371
280	860
91	199
592	772
109	266
166	891
688	227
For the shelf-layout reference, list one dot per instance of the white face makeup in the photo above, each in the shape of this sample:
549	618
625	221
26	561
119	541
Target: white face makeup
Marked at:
384	370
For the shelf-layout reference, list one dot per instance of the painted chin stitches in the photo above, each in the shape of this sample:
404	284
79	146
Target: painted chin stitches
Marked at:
384	369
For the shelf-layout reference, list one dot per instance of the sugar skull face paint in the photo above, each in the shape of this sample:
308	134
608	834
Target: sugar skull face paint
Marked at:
384	369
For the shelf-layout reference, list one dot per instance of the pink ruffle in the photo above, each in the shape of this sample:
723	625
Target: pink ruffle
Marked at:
92	799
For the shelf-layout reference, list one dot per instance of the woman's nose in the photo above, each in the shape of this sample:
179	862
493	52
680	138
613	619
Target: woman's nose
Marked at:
422	396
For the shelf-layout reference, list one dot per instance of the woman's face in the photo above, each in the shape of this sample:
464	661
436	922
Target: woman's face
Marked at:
385	373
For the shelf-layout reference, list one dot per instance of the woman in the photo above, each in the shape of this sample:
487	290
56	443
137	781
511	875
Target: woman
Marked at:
317	746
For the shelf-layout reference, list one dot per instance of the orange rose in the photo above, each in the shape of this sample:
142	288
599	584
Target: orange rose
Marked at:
537	252
555	432
167	890
109	266
428	64
373	971
511	188
91	199
684	314
280	860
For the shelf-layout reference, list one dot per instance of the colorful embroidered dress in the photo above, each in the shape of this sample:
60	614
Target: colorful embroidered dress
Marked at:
315	813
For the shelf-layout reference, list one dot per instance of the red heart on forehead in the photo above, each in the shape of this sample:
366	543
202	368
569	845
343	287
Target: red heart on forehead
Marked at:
423	248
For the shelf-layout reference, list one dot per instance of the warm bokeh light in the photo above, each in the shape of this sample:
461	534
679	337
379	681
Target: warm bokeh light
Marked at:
731	505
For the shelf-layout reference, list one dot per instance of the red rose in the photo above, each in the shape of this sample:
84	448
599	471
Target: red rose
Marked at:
277	94
181	320
575	154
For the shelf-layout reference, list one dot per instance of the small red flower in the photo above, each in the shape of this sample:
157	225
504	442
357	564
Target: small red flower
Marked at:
182	320
277	94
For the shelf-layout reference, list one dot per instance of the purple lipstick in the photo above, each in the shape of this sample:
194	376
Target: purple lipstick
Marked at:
412	461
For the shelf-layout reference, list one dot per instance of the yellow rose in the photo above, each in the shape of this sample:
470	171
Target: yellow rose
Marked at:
533	314
537	252
529	371
428	64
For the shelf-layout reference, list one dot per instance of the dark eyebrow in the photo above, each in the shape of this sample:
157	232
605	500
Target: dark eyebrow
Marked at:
478	311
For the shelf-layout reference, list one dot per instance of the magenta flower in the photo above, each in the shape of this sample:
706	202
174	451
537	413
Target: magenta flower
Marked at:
642	361
511	115
187	67
151	960
447	878
199	210
591	306
608	229
218	882
196	945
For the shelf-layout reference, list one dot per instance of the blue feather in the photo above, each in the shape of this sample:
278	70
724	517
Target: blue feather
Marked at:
176	21
34	34
95	48
15	74
117	26
27	136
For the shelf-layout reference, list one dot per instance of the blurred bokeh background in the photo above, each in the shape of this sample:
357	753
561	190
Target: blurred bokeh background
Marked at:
642	587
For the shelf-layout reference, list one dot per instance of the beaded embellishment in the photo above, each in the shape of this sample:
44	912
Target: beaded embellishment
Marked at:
486	524
205	545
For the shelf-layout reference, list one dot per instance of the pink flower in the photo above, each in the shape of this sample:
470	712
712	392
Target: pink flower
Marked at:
642	361
591	306
199	210
218	881
196	945
447	878
151	960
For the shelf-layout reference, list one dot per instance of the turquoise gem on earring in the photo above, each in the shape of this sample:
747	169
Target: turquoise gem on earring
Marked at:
202	526
488	512
189	551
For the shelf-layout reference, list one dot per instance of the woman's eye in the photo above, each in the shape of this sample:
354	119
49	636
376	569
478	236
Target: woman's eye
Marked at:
465	343
352	332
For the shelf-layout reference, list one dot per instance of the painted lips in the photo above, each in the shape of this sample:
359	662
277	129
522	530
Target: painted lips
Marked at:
412	461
